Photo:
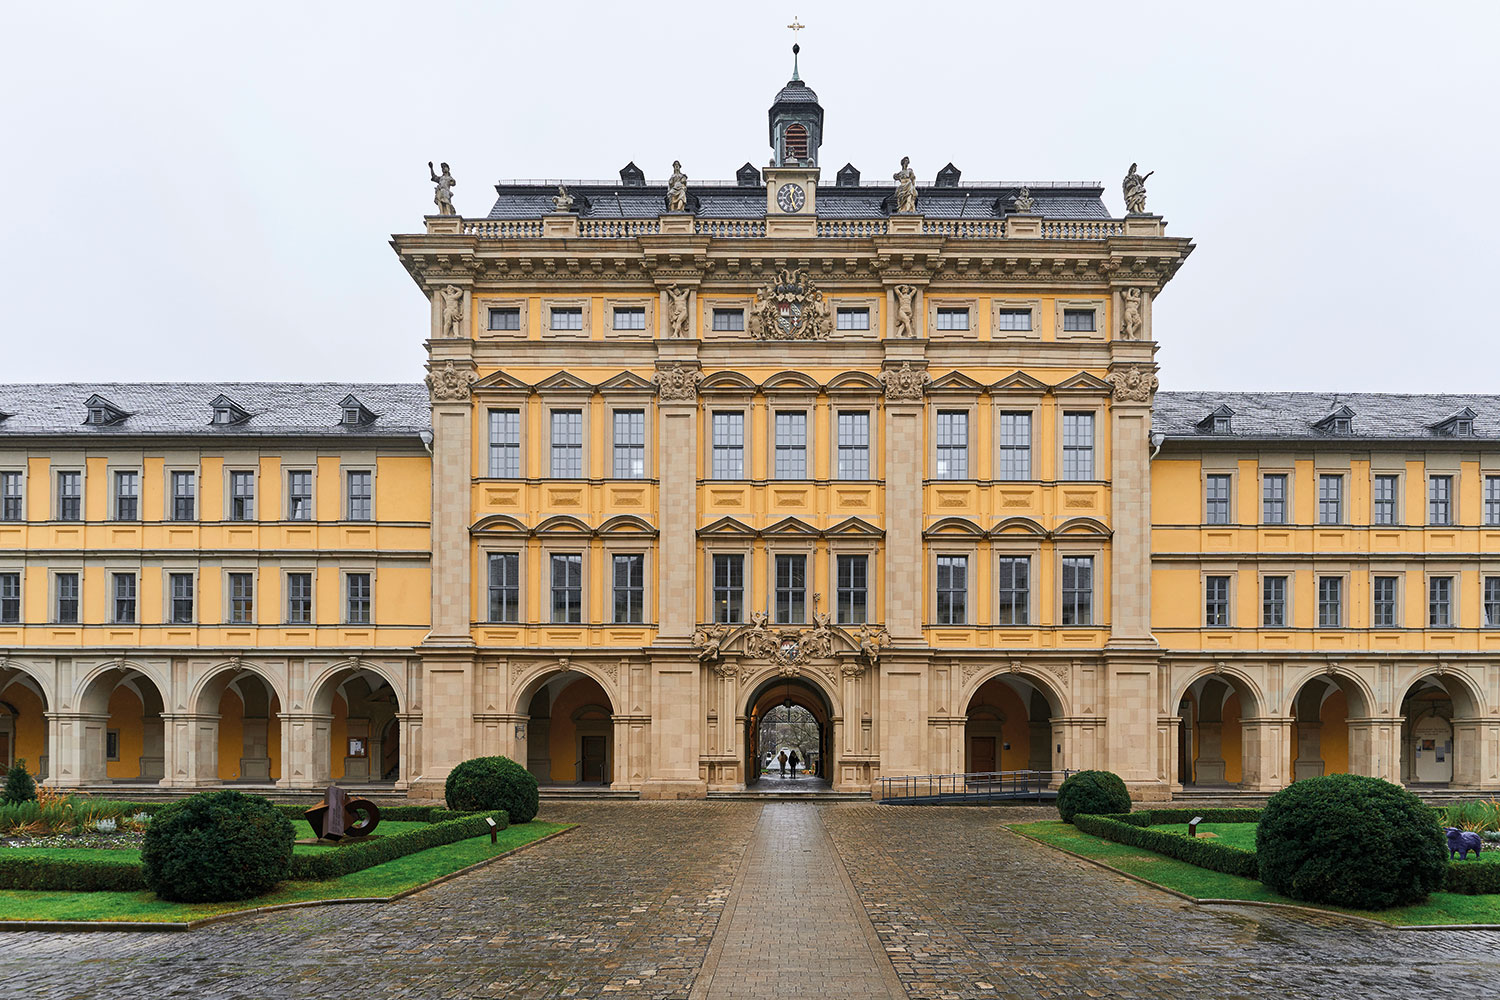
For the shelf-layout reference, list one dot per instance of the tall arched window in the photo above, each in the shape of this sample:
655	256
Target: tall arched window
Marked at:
796	142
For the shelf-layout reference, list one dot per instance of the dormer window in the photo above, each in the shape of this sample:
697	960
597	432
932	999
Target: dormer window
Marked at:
1220	420
355	414
1461	424
101	412
1341	425
227	412
1221	425
1340	422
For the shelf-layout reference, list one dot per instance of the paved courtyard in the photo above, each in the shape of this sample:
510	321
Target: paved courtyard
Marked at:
701	901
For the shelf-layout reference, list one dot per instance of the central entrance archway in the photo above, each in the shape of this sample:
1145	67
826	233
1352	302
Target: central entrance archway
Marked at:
789	713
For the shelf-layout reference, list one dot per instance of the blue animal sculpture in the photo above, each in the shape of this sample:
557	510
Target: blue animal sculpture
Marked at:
1461	842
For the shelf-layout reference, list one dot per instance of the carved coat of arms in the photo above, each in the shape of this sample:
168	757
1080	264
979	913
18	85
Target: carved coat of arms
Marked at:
790	308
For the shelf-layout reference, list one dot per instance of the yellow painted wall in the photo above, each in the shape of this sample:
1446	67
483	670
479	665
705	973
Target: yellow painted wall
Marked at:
30	726
1015	727
562	741
126	715
231	735
339	740
1232	741
1335	734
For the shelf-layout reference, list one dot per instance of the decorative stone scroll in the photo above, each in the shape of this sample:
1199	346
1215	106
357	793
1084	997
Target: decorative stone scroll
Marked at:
450	384
789	307
678	383
905	383
1133	383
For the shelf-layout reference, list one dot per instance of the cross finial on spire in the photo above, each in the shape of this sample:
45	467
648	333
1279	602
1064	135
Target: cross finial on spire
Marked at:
796	26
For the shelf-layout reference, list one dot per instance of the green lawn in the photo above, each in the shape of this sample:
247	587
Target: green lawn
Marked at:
300	827
1232	834
381	880
1200	883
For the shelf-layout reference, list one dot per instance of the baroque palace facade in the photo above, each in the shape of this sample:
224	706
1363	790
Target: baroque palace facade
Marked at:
689	452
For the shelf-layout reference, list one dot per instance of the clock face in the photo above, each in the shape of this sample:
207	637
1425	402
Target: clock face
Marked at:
791	197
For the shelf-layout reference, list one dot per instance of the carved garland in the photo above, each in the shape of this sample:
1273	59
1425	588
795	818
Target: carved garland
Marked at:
450	384
1133	383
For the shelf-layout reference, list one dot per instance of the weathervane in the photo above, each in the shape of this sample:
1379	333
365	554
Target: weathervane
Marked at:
796	26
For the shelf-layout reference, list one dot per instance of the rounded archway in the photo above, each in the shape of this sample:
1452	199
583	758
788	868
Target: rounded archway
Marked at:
1008	726
1321	709
1437	749
570	737
124	740
23	721
1211	739
361	703
789	713
248	747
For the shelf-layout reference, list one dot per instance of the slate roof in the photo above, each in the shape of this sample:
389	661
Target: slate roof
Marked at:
277	409
1292	416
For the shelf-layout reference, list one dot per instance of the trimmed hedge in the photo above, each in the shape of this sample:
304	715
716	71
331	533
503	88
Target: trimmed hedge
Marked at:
1096	792
493	783
19	871
216	846
1126	828
1472	878
358	854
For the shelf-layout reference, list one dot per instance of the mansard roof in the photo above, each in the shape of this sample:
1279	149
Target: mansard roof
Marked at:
1296	416
280	409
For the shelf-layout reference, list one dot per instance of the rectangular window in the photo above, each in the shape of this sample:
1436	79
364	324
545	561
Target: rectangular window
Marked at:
567	589
70	496
1439	499
181	588
241	598
1492	499
567	444
1015	446
1383	500
184	496
952	589
1078	320
505	444
791	589
505	318
1273	499
357	592
242	496
729	319
1014	584
567	318
729	589
630	589
505	587
67	598
854	445
630	318
1078	590
1273	601
299	598
127	496
1383	601
791	446
1078	446
1216	499
361	496
853	590
952	444
1216	601
1330	601
1331	499
953	319
630	444
1440	602
10	497
1013	319
854	319
729	446
111	744
1492	602
299	495
10	598
124	598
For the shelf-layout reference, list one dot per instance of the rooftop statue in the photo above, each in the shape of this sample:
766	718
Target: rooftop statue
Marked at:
1024	201
677	189
562	201
906	186
1135	191
443	184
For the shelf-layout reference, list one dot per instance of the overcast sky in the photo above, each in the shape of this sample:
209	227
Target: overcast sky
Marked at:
205	191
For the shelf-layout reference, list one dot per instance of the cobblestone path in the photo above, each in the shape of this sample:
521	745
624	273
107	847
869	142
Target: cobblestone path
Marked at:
645	896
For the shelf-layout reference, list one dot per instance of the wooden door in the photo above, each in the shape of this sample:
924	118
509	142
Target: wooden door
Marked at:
982	754
593	759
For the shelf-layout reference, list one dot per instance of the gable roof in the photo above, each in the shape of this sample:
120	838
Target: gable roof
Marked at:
1295	416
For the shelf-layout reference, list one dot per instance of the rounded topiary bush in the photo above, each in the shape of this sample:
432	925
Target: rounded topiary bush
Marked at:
216	846
1351	841
1092	793
485	783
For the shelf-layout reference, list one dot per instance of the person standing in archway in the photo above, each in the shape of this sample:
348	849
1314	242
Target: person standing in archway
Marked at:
782	758
794	760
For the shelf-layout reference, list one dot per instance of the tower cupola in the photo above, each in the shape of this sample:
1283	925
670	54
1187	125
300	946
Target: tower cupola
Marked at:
796	121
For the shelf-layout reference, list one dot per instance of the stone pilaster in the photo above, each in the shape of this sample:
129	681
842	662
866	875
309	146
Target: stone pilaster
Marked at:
678	594
1132	374
306	759
904	373
76	742
191	749
1375	748
1263	759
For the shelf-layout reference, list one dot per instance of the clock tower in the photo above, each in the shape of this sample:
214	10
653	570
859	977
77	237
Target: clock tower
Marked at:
796	128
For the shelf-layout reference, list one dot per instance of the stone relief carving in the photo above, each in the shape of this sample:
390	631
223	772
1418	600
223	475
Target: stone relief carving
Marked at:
1134	383
1133	320
905	383
709	639
790	307
677	383
1134	186
906	304
906	187
442	189
450	384
562	201
791	647
1023	201
871	642
677	198
677	312
453	310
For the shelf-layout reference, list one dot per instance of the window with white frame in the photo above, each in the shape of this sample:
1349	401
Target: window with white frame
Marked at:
505	444
791	589
10	598
567	588
728	446
299	598
123	585
1013	319
67	598
952	444
127	496
180	586
854	444
853	319
567	444
567	318
630	317
1383	500
729	588
852	589
11	501
242	496
1216	499
70	496
1078	446
629	588
357	593
505	318
241	598
1078	320
1015	446
1273	601
1216	601
630	444
1330	601
952	319
299	494
1273	499
1014	585
1439	500
1078	590
184	495
504	587
1331	499
361	495
791	445
1440	602
952	590
729	319
1383	591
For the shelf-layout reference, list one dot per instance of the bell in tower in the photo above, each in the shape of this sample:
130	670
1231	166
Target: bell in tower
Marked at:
796	120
